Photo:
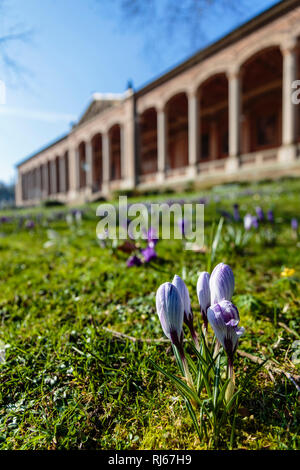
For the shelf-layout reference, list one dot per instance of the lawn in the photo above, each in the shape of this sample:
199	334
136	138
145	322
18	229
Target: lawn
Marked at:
68	380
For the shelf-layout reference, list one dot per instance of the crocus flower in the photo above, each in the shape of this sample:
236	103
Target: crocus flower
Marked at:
152	237
133	261
236	213
30	225
203	293
188	313
260	213
294	224
170	311
255	222
149	254
270	216
221	283
224	319
248	221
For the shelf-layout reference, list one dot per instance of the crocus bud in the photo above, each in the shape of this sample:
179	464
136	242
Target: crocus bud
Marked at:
185	297
203	293
259	213
294	224
248	221
255	222
236	213
188	312
224	319
270	216
221	283
170	311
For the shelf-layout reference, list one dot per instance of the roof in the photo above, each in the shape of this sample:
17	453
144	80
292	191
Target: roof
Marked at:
48	146
100	102
267	16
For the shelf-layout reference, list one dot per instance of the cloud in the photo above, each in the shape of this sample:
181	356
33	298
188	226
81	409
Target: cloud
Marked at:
36	115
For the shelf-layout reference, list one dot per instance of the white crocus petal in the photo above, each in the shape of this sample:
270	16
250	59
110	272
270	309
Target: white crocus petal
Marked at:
185	296
170	311
221	283
203	291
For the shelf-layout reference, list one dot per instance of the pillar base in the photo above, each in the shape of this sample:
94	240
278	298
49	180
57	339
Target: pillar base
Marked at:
232	164
192	171
160	177
287	154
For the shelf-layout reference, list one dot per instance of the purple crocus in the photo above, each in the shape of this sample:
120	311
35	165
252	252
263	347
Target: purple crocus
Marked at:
236	213
30	225
260	213
152	237
224	319
270	216
255	222
294	224
203	293
149	254
250	221
221	283
133	261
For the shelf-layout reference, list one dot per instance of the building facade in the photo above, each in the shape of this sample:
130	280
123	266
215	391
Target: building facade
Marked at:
225	114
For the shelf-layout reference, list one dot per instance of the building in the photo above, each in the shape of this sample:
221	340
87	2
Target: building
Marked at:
225	114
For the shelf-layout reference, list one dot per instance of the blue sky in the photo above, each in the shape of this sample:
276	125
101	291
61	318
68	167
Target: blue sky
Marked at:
77	47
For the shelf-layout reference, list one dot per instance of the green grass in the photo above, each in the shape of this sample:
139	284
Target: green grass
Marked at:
67	383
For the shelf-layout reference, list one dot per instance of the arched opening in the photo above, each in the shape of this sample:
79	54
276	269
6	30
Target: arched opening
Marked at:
82	165
97	163
261	113
148	142
115	152
213	118
177	131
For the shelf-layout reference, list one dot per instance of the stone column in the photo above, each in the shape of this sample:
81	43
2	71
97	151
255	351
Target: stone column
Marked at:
45	181
39	182
30	185
161	144
288	151
73	171
128	154
193	133
62	174
53	177
19	189
234	87
105	163
89	165
122	152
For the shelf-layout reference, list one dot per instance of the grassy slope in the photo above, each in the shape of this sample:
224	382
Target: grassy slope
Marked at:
67	383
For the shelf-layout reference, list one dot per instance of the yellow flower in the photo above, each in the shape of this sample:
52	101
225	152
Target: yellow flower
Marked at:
287	272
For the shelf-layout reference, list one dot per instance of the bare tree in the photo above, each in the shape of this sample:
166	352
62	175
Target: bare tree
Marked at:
179	23
10	64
